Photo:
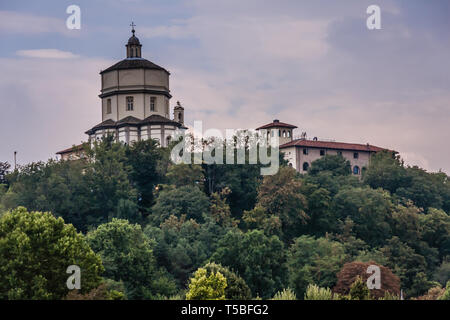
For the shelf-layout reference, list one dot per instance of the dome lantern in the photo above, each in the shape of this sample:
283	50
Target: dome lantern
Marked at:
133	45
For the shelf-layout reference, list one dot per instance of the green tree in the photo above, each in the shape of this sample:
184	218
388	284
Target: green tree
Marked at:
220	209
285	294
336	164
314	292
369	209
4	170
107	178
236	288
386	171
359	290
127	255
204	287
145	158
313	260
409	266
184	245
35	251
258	259
188	200
185	175
280	195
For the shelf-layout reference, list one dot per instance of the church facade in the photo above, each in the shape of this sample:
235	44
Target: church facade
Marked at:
135	101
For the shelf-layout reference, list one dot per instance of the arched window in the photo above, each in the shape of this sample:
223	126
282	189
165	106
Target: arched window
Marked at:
284	133
289	133
168	140
305	166
356	170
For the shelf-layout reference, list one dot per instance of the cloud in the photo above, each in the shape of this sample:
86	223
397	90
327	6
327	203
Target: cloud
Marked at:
47	105
46	54
12	22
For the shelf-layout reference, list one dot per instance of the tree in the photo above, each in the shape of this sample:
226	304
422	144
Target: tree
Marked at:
185	175
182	246
35	251
144	158
188	200
314	292
359	290
386	171
280	195
336	164
204	287
220	210
285	294
312	260
4	170
258	259
351	271
236	288
258	218
409	266
107	178
422	189
127	255
370	210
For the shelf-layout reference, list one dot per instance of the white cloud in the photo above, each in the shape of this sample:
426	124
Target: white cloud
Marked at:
47	105
46	54
12	22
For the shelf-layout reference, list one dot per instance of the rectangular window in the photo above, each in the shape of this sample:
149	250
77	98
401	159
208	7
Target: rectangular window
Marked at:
108	106
130	104
322	152
355	155
152	103
339	153
305	151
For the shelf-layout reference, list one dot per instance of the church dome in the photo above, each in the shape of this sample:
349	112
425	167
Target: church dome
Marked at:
133	40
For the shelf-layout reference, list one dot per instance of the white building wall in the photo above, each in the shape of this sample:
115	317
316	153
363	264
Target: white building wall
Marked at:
314	153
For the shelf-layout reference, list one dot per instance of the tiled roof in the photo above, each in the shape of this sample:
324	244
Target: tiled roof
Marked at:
157	119
130	120
332	145
134	63
276	123
72	149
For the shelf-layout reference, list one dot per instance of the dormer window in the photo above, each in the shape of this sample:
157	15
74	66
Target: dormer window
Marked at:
130	103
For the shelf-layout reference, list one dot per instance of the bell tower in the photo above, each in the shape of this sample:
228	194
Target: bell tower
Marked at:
178	113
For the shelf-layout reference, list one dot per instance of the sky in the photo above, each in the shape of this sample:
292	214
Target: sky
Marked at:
235	64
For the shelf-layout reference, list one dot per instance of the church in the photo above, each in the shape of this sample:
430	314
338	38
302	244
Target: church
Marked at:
135	101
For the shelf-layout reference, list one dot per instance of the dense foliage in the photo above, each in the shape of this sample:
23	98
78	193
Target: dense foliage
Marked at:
35	251
176	231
